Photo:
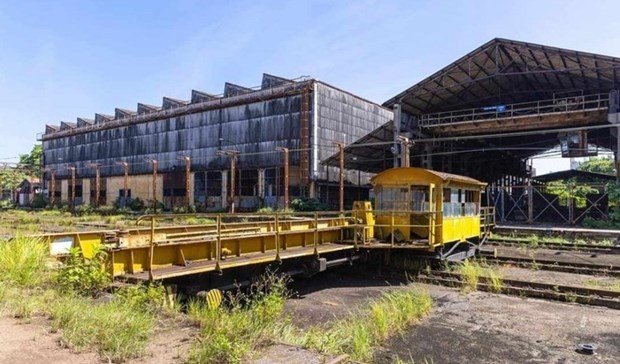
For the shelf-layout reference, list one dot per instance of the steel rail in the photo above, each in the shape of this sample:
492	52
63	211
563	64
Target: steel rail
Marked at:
590	248
577	294
554	265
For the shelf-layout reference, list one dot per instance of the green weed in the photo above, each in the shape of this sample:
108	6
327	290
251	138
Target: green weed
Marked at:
117	330
358	334
244	324
82	275
473	272
23	261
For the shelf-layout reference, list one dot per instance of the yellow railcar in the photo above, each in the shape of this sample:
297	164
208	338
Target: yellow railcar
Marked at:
427	210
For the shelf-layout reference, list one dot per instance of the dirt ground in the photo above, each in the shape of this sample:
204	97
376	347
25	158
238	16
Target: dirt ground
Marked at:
32	343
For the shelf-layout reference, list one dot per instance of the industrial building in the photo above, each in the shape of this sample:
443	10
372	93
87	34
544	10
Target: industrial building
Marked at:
182	152
484	115
487	113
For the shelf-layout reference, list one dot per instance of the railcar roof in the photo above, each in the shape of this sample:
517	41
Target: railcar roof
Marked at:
443	176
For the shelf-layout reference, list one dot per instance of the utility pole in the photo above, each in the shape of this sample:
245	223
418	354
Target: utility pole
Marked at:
285	151
404	142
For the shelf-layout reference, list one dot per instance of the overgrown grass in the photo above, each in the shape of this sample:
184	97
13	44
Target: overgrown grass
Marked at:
246	323
118	330
534	241
472	272
23	261
358	334
243	324
612	285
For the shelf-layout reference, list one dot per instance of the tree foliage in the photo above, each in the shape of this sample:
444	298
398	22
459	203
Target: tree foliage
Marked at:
31	163
10	178
566	189
603	165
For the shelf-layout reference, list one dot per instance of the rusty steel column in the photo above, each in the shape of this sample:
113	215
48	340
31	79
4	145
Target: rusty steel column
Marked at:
232	154
188	167
154	162
72	187
341	176
126	182
404	142
53	187
97	183
285	151
233	160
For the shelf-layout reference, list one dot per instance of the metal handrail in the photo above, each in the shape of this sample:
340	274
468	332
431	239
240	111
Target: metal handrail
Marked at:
271	217
566	104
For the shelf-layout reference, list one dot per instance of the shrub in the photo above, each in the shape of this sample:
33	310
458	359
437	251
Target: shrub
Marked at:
308	204
84	276
6	204
84	210
137	204
39	201
149	298
106	210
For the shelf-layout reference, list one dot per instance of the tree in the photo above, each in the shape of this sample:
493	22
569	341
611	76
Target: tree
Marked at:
603	165
31	163
10	178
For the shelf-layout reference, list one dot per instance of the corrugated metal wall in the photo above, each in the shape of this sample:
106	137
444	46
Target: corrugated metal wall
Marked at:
344	117
256	127
249	128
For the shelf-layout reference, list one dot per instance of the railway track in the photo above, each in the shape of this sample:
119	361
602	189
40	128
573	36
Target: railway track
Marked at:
582	295
553	265
590	248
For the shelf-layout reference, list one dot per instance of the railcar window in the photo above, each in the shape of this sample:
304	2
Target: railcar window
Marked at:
419	198
459	202
391	198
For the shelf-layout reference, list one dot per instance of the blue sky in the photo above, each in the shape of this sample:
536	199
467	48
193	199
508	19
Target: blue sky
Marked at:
64	59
